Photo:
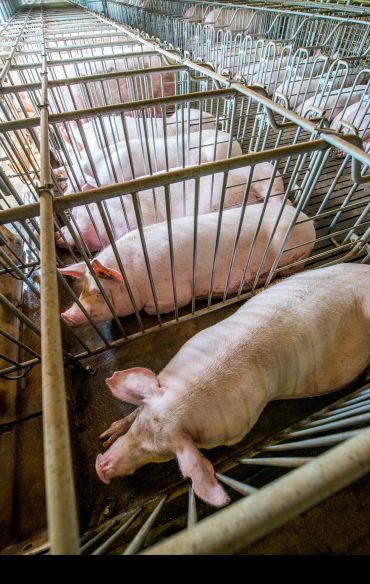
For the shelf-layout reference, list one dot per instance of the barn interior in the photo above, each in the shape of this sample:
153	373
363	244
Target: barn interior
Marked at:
76	77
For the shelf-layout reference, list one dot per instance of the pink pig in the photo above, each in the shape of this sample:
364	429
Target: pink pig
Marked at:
334	102
121	213
298	246
357	114
210	145
107	130
305	336
299	89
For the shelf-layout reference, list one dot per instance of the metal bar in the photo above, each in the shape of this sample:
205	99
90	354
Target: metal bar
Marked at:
19	314
325	427
192	509
19	343
139	539
237	486
250	92
60	495
249	519
288	461
24	365
313	442
110	541
89	79
86	542
159	179
328	419
106	110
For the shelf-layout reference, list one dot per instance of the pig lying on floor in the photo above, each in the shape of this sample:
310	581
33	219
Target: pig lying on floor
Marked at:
121	212
275	224
308	335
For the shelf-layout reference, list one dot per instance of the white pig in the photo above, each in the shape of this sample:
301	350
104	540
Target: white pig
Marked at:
357	114
122	215
105	265
305	336
232	20
207	147
109	129
298	89
333	102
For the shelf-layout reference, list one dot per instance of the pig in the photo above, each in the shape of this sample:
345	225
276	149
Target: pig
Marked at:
299	89
358	114
122	213
334	102
232	20
109	129
131	253
305	336
286	71
121	89
213	146
194	13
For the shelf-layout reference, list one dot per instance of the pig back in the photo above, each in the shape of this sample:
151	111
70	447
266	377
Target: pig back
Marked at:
261	239
314	330
305	336
252	251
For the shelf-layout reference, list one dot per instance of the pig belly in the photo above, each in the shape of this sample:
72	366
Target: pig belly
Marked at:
243	252
345	355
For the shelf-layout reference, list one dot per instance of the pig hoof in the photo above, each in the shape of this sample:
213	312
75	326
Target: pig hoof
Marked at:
116	429
339	154
59	240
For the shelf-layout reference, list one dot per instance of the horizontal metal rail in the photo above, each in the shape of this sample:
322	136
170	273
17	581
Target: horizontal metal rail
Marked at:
160	179
309	158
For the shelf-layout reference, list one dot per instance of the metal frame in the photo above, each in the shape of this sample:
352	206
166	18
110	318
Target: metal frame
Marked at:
306	155
174	23
269	482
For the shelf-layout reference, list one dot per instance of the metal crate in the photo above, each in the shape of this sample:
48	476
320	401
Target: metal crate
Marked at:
59	85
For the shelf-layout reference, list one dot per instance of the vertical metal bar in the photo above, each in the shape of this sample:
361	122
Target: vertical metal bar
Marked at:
60	495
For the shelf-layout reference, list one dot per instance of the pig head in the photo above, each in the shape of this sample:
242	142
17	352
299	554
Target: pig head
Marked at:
156	435
91	297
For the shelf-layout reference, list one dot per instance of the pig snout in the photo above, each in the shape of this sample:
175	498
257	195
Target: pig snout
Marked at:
115	462
74	316
101	469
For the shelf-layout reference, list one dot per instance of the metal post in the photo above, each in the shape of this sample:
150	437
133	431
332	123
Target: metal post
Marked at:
60	495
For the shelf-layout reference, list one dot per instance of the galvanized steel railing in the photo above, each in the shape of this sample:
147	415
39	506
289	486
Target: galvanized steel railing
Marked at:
43	132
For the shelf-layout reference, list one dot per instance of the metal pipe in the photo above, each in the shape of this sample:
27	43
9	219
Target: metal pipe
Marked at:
90	78
249	519
160	179
60	495
304	123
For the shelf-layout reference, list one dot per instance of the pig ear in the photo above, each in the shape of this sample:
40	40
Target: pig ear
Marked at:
201	472
87	187
134	385
106	273
75	270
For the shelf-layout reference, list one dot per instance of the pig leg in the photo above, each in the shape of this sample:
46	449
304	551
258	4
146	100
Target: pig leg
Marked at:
118	428
63	238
